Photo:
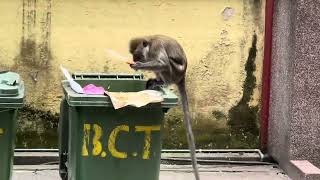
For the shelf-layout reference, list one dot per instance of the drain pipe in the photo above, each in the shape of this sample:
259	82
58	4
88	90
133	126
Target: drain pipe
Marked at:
266	75
263	157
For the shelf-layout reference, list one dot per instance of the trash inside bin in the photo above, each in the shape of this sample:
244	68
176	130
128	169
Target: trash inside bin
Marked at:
11	98
99	142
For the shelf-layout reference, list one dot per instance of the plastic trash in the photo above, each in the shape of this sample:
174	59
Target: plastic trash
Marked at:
74	85
94	90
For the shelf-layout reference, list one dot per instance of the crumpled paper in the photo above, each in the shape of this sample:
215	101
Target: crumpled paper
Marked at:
136	99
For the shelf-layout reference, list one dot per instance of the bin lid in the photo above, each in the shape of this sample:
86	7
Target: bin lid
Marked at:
9	84
11	90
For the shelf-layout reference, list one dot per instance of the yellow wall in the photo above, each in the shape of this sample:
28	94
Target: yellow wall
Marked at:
80	30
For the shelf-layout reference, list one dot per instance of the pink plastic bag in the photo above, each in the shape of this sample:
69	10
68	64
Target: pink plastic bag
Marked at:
94	90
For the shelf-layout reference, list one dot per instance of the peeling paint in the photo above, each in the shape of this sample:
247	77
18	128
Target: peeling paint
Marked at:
228	12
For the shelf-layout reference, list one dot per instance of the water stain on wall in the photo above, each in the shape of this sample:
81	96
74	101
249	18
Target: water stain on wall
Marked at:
34	63
36	31
243	118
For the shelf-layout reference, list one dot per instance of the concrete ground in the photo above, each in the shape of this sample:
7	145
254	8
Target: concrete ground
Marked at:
170	172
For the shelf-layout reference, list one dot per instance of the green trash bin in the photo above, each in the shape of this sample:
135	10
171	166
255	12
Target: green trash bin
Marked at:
11	98
97	142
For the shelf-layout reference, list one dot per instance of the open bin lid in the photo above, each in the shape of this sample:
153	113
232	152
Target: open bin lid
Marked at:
74	99
11	90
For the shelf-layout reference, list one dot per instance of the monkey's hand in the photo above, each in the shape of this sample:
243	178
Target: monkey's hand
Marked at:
136	66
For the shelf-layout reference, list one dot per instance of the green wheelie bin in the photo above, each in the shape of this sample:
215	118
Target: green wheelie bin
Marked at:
11	98
98	142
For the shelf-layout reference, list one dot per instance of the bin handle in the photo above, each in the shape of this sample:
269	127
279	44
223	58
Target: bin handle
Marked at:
80	76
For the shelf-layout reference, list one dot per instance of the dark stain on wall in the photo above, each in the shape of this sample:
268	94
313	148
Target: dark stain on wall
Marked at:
256	8
242	117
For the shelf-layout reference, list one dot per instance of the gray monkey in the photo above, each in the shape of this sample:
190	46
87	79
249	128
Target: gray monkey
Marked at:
165	57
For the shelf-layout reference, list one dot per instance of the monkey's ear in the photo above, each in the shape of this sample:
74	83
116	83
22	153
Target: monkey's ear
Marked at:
145	43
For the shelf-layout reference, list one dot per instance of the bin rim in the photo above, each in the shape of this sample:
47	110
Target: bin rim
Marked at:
75	99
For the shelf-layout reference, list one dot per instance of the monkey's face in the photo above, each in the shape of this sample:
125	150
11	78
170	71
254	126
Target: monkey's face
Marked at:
139	49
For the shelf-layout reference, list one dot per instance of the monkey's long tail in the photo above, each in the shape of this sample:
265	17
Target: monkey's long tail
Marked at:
187	121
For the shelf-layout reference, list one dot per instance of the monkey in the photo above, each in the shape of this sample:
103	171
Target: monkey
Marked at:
165	57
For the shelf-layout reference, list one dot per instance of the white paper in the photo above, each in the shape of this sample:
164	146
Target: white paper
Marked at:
74	85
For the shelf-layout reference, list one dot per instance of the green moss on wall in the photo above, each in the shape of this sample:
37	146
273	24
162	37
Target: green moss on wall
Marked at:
37	128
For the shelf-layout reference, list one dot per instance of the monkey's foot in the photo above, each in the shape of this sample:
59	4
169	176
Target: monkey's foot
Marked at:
154	84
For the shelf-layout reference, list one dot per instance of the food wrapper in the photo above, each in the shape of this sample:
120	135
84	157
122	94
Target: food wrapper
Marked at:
136	99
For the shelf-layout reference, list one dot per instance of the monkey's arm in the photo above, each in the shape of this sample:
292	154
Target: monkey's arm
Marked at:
156	65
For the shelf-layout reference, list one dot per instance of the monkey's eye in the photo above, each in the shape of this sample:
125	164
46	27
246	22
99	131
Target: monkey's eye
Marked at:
145	43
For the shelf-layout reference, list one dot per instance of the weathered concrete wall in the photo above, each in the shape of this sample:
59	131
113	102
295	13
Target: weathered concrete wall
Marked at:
295	107
305	142
40	35
281	79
